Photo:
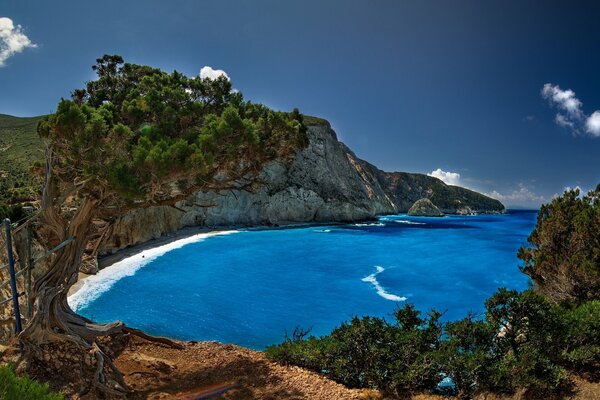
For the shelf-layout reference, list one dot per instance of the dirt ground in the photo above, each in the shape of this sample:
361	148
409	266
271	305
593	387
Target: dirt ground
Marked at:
157	371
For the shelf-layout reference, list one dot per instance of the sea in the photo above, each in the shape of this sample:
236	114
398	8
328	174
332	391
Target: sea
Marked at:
251	287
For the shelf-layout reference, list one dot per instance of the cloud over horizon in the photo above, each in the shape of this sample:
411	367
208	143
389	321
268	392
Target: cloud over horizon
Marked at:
449	178
12	40
570	114
521	196
208	72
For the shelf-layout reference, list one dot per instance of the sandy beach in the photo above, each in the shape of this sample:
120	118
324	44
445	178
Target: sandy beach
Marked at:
111	259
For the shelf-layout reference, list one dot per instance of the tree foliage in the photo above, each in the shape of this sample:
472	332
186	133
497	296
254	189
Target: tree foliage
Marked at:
563	253
135	137
137	128
523	343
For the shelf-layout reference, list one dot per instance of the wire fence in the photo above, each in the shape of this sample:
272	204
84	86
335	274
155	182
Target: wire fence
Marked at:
21	259
16	266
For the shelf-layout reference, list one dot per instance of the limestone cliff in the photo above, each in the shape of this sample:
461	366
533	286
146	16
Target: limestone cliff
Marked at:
325	182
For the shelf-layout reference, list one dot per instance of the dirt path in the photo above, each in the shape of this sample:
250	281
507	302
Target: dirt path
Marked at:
160	372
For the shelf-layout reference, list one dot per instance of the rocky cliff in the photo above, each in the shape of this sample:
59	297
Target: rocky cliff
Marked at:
325	182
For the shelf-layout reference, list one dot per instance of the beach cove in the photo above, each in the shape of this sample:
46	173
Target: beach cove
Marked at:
251	286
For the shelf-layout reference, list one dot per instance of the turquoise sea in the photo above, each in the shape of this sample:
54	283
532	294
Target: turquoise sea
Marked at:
250	287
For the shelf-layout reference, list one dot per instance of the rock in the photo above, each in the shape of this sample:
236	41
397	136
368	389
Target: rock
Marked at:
425	208
466	210
325	182
89	265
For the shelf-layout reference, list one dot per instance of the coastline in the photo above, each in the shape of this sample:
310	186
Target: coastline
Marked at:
159	245
189	231
109	260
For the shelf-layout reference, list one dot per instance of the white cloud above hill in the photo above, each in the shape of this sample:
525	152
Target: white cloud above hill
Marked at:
449	178
207	72
12	40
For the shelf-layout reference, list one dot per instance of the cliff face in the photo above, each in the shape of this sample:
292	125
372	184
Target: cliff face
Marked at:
325	182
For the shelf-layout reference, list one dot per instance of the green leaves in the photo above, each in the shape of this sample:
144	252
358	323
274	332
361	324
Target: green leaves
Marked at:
563	254
23	388
522	343
139	126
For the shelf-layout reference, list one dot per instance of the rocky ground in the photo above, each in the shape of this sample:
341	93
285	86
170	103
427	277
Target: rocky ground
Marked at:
157	371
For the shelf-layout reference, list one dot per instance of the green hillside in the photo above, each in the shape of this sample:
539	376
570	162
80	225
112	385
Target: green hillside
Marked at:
20	149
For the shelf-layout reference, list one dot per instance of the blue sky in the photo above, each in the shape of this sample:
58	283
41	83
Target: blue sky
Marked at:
416	86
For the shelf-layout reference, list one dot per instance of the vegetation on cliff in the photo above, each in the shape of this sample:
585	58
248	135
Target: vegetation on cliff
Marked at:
529	342
135	137
20	150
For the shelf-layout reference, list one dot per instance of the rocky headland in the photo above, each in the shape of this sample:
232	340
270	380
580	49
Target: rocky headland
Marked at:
326	182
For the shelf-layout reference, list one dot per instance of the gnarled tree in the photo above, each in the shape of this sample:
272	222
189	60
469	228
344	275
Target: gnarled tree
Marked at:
138	137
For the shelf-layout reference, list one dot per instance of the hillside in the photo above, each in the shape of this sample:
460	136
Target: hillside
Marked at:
325	182
20	148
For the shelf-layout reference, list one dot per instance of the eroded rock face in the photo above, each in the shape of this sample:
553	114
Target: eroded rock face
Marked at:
425	208
326	182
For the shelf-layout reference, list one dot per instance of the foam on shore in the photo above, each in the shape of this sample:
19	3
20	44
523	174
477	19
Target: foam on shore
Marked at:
372	279
95	285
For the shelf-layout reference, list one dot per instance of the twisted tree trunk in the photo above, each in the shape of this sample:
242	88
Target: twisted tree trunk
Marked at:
54	327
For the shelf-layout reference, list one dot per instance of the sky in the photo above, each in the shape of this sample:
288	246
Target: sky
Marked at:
502	97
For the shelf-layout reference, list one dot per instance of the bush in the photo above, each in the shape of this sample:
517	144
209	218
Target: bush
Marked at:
23	388
369	352
522	343
581	341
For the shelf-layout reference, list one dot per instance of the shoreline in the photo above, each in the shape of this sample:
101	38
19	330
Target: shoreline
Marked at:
108	260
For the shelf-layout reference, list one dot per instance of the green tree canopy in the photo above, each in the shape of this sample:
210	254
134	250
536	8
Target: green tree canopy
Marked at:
136	129
563	253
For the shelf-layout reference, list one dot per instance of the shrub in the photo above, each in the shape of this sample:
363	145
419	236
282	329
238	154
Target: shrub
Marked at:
522	343
369	352
23	388
581	342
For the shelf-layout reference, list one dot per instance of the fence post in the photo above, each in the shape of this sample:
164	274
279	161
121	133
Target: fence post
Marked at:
13	279
29	270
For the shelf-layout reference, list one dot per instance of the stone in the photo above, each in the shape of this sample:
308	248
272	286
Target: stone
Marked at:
425	208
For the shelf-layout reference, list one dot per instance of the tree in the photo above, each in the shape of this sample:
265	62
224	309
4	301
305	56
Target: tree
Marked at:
563	253
136	137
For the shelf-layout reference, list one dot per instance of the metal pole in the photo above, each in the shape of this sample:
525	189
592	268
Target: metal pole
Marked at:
13	279
29	269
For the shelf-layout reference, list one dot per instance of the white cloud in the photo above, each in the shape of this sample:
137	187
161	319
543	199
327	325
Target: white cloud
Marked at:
449	178
570	113
564	99
12	40
592	124
563	121
212	74
523	196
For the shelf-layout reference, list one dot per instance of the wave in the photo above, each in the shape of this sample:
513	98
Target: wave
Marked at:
403	221
323	230
372	279
370	224
96	285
